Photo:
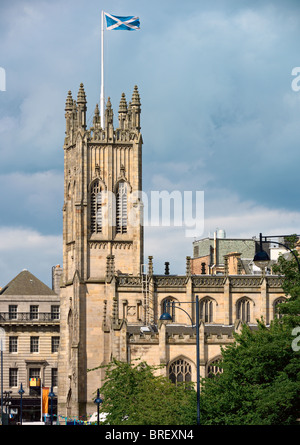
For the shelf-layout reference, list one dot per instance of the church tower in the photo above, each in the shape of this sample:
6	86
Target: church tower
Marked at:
102	238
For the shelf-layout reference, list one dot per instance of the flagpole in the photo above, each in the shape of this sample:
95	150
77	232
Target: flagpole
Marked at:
102	71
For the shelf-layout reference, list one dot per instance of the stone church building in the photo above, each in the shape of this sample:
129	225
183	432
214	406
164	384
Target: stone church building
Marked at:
110	300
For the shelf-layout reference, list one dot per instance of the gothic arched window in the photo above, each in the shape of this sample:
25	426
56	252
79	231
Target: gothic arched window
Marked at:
168	306
243	310
121	208
206	310
180	371
277	302
96	208
214	368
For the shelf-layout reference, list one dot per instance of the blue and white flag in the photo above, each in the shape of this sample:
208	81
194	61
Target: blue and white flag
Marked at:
114	22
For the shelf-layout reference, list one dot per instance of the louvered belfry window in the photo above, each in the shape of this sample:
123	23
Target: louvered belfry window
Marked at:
121	208
96	208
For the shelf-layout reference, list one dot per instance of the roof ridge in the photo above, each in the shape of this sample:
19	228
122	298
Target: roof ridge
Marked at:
25	283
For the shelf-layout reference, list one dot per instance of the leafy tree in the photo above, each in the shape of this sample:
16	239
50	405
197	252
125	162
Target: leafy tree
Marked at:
134	395
260	383
289	269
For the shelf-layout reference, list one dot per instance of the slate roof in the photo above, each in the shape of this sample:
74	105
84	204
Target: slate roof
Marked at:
26	284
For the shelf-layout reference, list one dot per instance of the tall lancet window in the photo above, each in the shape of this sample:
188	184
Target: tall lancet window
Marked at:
121	208
243	310
206	310
96	208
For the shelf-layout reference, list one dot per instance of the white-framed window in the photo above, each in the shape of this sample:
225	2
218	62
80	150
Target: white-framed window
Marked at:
34	344
34	312
13	311
54	344
13	344
55	312
54	377
13	377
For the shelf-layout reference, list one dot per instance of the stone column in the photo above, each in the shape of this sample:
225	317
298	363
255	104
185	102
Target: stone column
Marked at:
162	346
264	310
227	302
202	349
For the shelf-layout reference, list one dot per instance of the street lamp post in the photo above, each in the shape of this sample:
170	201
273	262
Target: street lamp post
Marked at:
21	392
51	396
167	317
7	404
98	401
262	259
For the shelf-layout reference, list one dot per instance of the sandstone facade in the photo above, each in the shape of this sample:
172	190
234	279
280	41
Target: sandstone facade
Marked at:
110	302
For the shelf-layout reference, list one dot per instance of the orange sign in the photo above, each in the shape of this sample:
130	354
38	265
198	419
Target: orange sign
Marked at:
45	400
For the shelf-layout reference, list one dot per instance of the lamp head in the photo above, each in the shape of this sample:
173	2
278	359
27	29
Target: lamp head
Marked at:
21	390
98	400
165	317
51	394
261	259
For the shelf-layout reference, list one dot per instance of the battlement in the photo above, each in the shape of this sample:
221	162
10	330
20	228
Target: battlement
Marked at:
128	129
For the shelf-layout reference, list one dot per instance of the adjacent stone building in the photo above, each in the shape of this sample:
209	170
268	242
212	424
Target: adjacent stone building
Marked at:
219	254
111	300
29	319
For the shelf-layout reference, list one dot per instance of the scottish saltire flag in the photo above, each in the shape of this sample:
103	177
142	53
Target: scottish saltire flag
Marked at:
114	22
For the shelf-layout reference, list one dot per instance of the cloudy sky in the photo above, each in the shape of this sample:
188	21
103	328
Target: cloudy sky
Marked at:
219	115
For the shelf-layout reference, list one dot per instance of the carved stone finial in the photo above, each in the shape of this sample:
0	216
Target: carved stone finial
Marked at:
135	97
97	112
226	264
188	266
123	104
81	99
69	102
150	265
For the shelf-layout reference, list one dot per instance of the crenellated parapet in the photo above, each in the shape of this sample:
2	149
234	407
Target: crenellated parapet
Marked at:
129	120
202	282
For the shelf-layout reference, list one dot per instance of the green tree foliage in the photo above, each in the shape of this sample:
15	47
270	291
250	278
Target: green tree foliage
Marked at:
260	383
134	395
289	269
